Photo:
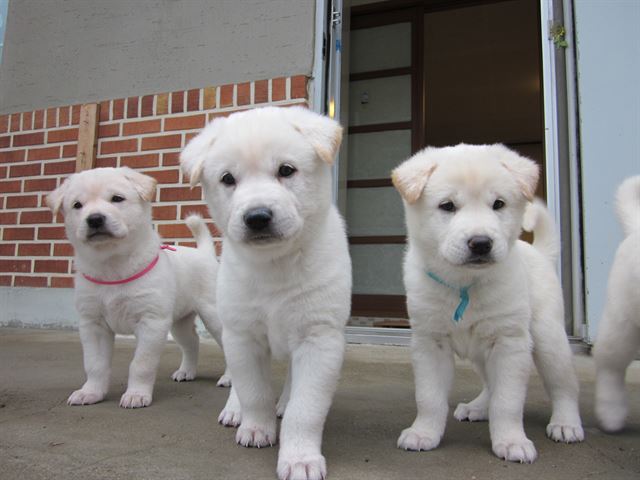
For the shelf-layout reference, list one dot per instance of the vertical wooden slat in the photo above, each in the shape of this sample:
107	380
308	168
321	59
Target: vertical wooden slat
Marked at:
87	136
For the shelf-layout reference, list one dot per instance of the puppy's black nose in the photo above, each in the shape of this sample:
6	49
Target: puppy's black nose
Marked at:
480	245
95	220
258	218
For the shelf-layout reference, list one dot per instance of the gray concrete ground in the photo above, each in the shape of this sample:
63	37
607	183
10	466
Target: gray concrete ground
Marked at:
178	437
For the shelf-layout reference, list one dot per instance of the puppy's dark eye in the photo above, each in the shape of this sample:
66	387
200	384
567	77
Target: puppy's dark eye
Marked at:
498	204
286	170
447	206
77	205
228	179
117	199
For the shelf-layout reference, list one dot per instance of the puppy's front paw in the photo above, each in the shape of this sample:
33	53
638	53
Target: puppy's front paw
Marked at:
466	412
301	467
224	381
135	400
416	440
256	436
230	417
84	397
565	433
521	450
611	415
183	375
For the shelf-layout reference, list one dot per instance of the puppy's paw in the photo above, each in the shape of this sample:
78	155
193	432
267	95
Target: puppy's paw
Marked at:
135	400
84	397
281	406
520	450
256	436
224	381
611	417
301	467
565	433
183	375
416	440
466	412
230	417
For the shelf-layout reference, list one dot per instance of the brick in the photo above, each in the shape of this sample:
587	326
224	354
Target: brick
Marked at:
170	159
140	161
26	139
27	120
21	266
5	280
111	130
213	230
193	100
34	249
209	98
162	104
165	212
20	281
65	116
18	233
261	91
25	170
186	210
70	150
75	114
185	123
173	194
52	118
12	186
161	142
226	96
190	136
119	146
15	122
46	153
59	136
62	250
102	162
105	111
165	176
118	109
37	216
38	120
5	141
8	218
177	102
51	266
3	174
175	231
299	86
7	249
133	107
40	185
10	156
137	128
4	123
243	94
22	201
62	282
60	168
278	89
51	233
147	106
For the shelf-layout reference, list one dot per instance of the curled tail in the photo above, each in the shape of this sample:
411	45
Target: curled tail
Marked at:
538	220
201	233
628	205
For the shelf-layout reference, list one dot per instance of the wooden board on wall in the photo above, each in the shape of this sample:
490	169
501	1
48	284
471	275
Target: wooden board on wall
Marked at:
87	136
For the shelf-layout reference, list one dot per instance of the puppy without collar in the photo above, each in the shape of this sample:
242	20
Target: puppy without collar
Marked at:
285	276
126	283
474	289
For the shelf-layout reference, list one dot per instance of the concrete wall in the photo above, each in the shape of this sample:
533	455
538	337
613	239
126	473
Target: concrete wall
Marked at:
608	45
63	52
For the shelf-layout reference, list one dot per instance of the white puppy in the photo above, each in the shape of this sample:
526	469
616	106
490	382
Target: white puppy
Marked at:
125	283
619	331
285	273
474	289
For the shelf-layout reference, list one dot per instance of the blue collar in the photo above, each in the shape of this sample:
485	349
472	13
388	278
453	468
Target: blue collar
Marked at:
464	296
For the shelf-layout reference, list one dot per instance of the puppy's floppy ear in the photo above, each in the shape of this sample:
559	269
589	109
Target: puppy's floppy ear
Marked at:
412	176
525	171
55	198
323	133
193	156
144	184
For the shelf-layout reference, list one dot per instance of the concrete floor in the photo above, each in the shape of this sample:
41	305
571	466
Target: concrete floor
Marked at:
178	437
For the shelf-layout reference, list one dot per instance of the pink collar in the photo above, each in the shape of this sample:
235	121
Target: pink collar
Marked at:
136	276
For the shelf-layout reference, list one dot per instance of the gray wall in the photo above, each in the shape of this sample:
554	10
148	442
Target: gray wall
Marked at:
62	52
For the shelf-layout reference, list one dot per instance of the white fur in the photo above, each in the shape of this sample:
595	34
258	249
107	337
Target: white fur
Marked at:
288	294
618	337
167	298
515	314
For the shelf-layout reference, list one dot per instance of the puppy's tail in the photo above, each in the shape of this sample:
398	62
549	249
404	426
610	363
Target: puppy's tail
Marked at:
628	205
201	233
538	220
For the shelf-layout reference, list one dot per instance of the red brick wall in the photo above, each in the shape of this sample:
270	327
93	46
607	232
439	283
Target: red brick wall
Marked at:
38	150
